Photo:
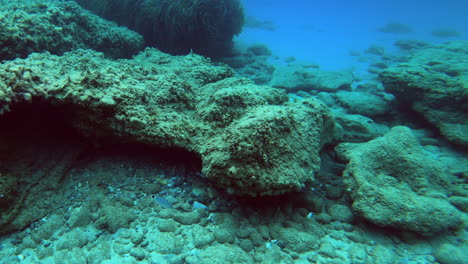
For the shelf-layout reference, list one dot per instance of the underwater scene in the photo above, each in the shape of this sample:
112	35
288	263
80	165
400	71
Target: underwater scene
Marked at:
233	131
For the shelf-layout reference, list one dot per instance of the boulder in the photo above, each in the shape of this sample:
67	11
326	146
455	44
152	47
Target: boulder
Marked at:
296	77
395	182
434	83
358	128
364	103
60	26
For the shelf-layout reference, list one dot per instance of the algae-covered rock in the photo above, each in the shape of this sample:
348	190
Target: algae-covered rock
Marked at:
341	213
434	82
221	253
395	182
166	243
363	103
76	238
358	128
251	141
114	217
296	240
80	216
59	26
49	226
295	77
267	151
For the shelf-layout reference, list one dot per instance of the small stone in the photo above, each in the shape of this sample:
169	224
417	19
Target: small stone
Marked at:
108	100
264	231
119	248
243	232
203	238
151	188
296	240
324	218
341	213
312	258
43	252
335	192
167	226
80	217
294	255
189	218
127	201
76	238
224	236
137	238
28	242
186	207
166	213
137	253
257	239
246	245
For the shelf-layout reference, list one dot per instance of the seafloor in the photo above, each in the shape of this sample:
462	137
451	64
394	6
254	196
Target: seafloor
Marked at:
247	159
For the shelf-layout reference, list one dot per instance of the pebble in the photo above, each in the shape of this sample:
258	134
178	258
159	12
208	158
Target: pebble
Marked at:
224	236
137	253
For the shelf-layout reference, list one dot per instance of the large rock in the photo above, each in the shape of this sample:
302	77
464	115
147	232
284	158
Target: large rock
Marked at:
394	182
251	140
296	77
357	128
59	26
434	82
364	103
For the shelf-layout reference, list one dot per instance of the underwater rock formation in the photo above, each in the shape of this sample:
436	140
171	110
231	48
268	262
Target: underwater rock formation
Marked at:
357	128
394	182
177	27
55	26
434	83
395	28
364	103
295	77
251	140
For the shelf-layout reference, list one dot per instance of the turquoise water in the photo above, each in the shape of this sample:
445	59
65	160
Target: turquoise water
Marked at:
324	32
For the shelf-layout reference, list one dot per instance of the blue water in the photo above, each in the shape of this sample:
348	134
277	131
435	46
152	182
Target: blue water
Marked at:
323	32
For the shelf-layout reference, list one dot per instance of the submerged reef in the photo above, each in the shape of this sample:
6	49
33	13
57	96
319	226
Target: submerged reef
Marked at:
434	83
251	140
57	27
177	27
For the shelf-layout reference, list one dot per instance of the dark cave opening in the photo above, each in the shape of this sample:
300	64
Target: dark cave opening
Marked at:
40	148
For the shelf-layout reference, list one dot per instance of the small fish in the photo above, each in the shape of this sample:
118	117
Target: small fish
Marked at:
196	205
162	202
